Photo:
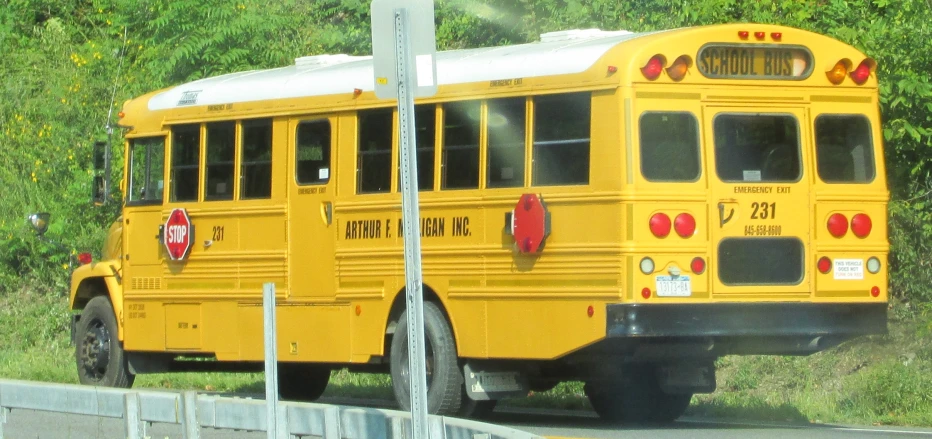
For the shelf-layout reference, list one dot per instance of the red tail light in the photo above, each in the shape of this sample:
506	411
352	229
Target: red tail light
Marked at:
685	225
698	265
860	74
837	225
653	68
660	225
861	225
645	293
824	265
84	258
875	291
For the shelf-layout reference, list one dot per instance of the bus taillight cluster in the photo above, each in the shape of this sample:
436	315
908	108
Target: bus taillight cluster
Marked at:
859	75
657	64
861	225
684	224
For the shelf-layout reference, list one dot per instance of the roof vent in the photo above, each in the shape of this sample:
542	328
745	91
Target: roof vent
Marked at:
578	34
323	60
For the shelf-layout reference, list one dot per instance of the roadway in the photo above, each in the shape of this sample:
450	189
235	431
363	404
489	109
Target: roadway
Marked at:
27	424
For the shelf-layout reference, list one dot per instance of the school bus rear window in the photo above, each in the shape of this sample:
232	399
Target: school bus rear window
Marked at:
669	147
757	148
843	149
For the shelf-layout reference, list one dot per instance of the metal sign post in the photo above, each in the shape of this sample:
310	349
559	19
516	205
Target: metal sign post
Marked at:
414	72
271	361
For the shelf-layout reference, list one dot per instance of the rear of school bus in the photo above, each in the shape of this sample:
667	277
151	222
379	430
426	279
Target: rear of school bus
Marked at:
756	209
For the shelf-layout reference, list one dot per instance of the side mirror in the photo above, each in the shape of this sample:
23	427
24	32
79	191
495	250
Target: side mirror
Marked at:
100	158
101	190
99	196
40	222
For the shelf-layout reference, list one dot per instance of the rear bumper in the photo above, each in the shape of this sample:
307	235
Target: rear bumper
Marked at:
746	319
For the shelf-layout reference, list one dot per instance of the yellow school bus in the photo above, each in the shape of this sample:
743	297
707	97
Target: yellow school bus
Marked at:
610	207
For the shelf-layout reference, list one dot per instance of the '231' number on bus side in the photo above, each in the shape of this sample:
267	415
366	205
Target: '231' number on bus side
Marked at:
764	210
218	233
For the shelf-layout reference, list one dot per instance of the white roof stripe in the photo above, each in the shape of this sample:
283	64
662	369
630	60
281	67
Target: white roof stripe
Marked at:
343	74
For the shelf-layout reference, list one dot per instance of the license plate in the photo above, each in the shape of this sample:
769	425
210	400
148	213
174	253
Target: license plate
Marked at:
674	286
849	269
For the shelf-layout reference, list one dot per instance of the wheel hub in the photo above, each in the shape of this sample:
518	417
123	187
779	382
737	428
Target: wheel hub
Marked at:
95	349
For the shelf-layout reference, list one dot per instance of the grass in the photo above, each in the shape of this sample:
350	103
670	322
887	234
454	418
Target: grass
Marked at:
878	380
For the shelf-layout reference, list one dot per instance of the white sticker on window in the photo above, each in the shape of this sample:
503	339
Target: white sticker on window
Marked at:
752	175
221	188
323	173
160	184
849	269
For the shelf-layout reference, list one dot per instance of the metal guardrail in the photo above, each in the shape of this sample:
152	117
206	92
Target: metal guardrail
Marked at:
140	408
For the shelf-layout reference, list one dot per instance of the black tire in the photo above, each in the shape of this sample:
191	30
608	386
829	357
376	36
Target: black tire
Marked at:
635	397
445	389
302	381
99	355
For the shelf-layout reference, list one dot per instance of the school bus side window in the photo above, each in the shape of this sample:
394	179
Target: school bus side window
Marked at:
185	170
561	139
669	146
461	145
374	168
313	152
257	160
844	150
425	117
221	146
506	129
146	169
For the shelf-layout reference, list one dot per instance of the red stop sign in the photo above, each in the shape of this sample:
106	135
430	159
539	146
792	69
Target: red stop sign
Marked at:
177	234
530	223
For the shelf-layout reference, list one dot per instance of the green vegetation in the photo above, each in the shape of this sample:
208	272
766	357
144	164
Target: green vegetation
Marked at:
62	64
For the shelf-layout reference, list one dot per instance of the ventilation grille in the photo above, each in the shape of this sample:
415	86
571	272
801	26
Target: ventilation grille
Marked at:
147	283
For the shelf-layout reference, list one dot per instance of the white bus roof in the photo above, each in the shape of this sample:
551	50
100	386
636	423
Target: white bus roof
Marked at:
563	52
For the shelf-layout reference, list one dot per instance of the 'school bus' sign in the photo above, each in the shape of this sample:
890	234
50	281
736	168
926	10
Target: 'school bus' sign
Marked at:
721	61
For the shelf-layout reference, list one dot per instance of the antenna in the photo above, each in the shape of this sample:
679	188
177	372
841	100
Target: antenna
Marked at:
102	185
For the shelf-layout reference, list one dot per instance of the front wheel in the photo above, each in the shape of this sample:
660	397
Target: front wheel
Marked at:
445	390
99	354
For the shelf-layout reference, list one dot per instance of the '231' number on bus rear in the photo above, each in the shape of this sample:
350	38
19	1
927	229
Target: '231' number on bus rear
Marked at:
764	210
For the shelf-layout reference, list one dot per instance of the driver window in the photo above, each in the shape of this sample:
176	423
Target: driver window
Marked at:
146	169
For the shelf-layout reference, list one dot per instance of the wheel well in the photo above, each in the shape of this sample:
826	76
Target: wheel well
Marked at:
398	307
89	289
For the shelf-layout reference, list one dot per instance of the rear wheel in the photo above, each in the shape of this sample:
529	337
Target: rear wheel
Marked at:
635	397
445	390
99	354
302	381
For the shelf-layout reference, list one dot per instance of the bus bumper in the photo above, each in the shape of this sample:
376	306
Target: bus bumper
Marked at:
845	320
